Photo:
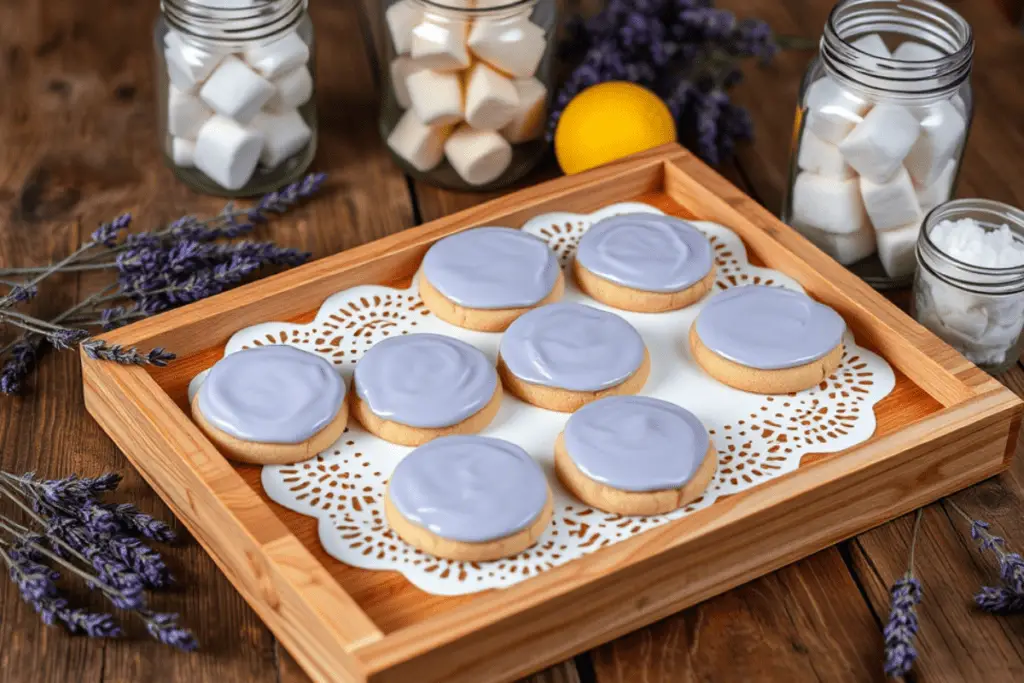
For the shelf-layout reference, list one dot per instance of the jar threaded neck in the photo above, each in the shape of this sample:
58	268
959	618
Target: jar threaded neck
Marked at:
228	24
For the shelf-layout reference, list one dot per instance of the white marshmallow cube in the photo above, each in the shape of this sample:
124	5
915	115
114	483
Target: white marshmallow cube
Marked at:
828	204
236	91
823	158
401	68
513	46
279	57
942	131
420	145
897	249
478	156
877	146
227	152
940	190
893	203
440	46
528	122
911	51
291	90
846	249
491	99
284	135
188	65
436	97
186	114
183	152
832	112
401	18
873	44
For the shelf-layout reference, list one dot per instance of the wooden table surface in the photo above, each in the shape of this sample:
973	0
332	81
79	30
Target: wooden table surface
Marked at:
78	145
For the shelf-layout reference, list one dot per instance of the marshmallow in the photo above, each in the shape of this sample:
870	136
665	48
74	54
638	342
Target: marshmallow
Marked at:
436	97
897	249
188	65
440	46
491	99
873	44
401	68
283	136
514	46
833	112
823	158
891	204
846	249
942	131
236	91
401	17
420	145
291	90
183	152
828	204
227	152
478	156
939	191
877	146
279	57
911	51
186	114
528	122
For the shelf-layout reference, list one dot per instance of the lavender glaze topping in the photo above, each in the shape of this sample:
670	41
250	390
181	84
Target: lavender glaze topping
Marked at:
472	489
572	346
636	443
271	394
768	328
425	380
492	268
646	251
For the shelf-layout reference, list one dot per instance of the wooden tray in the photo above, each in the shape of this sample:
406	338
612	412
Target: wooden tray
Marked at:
946	425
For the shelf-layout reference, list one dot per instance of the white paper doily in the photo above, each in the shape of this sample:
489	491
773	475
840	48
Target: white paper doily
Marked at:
757	437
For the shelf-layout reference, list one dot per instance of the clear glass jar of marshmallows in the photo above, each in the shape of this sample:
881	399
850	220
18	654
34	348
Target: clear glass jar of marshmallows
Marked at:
969	287
234	89
467	88
881	125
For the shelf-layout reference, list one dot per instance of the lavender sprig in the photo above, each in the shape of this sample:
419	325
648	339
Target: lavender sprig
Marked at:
165	628
1008	598
902	627
98	349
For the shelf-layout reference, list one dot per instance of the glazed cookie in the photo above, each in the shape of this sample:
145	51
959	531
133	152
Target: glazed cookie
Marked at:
634	455
565	355
767	340
271	405
644	262
414	388
484	278
469	498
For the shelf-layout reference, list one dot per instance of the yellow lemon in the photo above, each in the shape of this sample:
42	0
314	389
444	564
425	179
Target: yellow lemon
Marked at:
608	121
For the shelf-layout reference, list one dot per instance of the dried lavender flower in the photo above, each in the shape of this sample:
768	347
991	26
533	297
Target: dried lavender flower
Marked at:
20	362
98	349
902	627
165	628
999	600
1010	596
132	519
107	234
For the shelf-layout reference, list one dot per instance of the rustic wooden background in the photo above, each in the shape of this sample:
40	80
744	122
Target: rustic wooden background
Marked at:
78	145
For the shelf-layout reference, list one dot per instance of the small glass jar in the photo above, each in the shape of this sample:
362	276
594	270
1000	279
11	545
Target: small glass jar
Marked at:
881	124
978	311
467	86
235	83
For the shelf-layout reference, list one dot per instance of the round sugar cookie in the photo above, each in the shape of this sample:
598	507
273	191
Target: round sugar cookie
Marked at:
417	387
644	262
271	405
635	455
469	498
565	355
767	340
484	278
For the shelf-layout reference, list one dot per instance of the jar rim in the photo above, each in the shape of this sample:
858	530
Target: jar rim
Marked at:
959	207
477	11
208	21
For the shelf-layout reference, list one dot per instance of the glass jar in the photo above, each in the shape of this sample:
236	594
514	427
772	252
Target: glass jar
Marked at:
977	310
467	86
234	83
881	124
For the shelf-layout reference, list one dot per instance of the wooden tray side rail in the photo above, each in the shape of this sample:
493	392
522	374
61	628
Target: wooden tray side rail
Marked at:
500	635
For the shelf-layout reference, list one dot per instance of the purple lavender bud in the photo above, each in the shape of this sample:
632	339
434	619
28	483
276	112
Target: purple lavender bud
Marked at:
97	349
108	233
902	627
94	625
999	600
20	362
1011	569
165	628
142	559
19	293
139	522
